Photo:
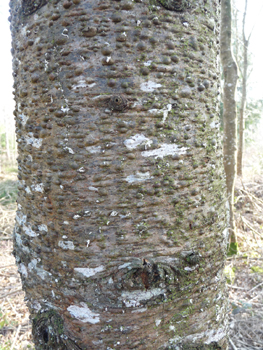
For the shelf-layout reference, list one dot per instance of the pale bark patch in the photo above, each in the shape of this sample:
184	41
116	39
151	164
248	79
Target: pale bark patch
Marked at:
83	313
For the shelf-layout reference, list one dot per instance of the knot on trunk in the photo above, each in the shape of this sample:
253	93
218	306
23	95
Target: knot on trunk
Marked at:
175	5
48	332
118	103
31	6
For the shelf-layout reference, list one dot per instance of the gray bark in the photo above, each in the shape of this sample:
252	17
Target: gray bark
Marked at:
243	96
120	233
229	112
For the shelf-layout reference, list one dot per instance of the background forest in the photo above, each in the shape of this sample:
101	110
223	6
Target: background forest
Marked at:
244	271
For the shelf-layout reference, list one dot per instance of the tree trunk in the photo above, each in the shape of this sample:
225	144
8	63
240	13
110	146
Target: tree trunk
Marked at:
120	233
243	98
229	114
7	144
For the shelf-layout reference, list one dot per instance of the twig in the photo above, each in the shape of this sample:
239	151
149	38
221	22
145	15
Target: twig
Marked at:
9	238
14	292
12	307
15	338
251	196
255	287
235	287
245	221
232	344
3	267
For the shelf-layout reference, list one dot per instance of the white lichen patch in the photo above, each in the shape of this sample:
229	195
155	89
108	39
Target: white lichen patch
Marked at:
157	322
43	274
23	270
88	272
165	150
24	118
139	177
65	109
81	84
24	30
91	188
211	336
43	228
142	309
150	86
20	218
124	265
27	189
94	149
66	245
19	242
215	335
161	112
214	125
165	112
38	188
70	150
30	140
189	269
28	231
132	299
137	140
83	313
147	64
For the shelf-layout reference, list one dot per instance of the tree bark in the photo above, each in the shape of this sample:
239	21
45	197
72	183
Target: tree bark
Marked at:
229	114
243	97
120	232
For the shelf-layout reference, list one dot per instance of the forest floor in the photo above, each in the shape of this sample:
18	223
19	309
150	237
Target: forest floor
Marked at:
244	272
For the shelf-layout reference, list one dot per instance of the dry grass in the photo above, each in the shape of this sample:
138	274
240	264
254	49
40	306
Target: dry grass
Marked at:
246	284
15	328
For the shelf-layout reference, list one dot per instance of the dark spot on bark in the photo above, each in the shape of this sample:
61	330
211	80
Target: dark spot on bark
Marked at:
49	333
118	103
45	335
193	258
31	6
175	5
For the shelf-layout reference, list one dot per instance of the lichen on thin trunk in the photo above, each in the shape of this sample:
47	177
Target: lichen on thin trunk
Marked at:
120	233
229	115
241	123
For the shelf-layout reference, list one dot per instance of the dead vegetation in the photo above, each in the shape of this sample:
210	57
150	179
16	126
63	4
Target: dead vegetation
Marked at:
244	273
15	327
245	270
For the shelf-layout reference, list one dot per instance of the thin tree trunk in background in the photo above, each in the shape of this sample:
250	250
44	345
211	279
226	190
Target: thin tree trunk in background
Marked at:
229	114
7	145
243	97
14	148
120	232
1	153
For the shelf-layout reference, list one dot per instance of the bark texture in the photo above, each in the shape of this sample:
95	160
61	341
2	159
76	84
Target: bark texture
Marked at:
120	233
229	112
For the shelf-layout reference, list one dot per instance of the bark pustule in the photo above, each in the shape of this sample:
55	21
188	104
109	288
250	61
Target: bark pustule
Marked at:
120	233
